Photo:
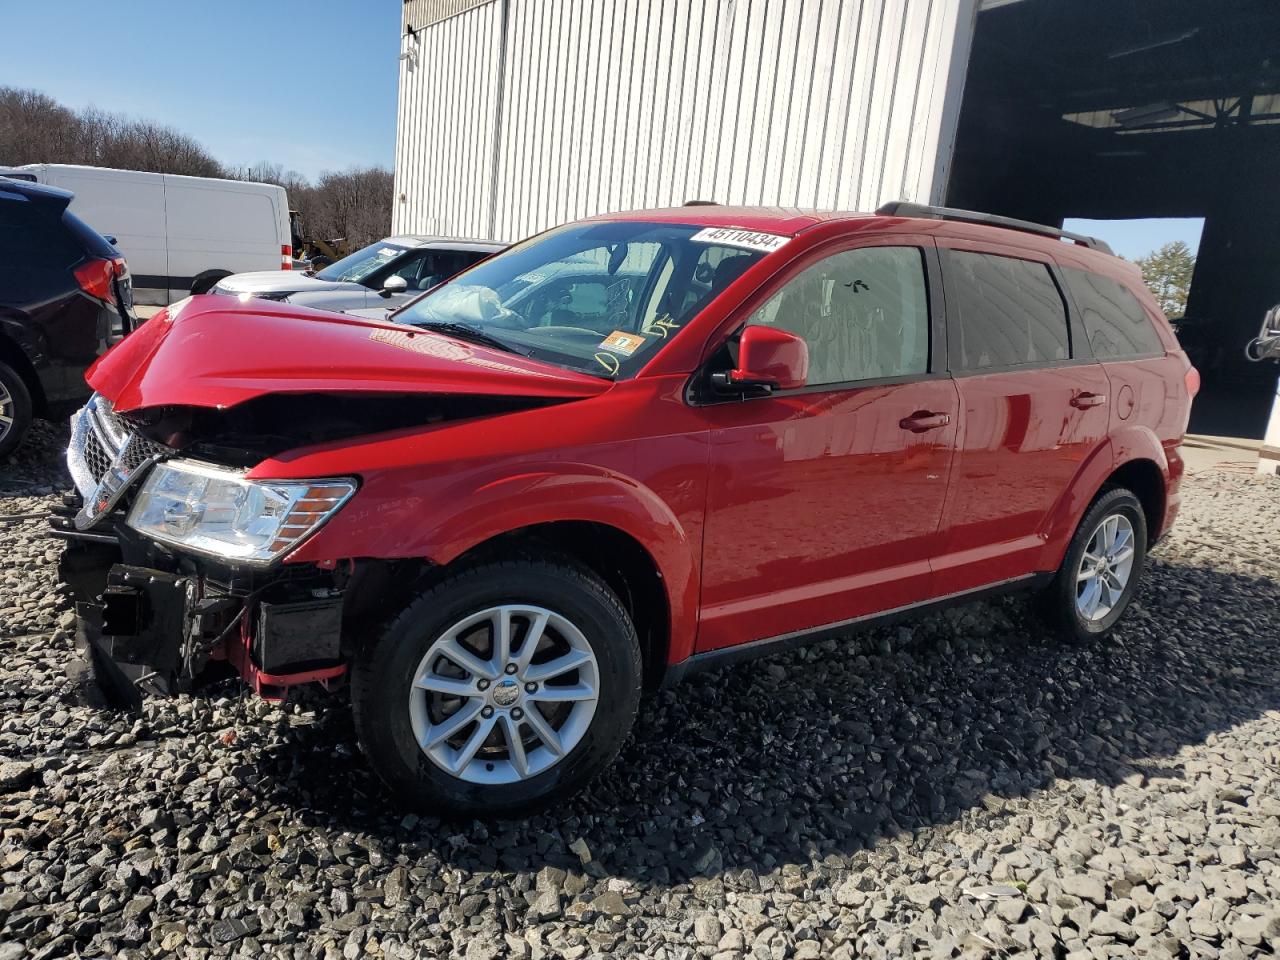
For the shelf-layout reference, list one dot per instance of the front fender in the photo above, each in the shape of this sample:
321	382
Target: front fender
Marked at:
392	521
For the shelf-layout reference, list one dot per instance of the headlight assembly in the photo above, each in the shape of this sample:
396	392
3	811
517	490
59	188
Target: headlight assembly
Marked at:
218	512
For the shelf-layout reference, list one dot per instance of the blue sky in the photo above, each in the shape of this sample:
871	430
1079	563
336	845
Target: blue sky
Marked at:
1136	238
311	86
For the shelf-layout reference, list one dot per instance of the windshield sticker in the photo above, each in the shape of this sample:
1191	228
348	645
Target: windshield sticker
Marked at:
622	343
387	252
746	239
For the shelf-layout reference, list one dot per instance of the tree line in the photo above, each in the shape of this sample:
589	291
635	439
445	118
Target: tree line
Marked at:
353	204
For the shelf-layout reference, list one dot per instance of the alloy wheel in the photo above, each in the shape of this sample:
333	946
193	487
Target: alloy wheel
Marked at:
6	411
1105	567
504	694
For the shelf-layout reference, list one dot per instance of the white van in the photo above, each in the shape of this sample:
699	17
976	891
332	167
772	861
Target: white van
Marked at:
180	235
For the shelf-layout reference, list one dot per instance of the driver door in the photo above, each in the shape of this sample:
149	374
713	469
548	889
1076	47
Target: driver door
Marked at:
824	503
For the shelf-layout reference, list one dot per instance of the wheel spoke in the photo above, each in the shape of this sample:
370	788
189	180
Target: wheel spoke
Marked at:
569	694
531	639
515	746
541	672
1124	554
1086	574
1089	599
469	749
456	652
543	729
447	685
501	639
443	731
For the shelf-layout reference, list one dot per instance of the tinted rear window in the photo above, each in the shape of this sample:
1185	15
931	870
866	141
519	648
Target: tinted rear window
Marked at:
1004	312
1117	325
32	236
94	243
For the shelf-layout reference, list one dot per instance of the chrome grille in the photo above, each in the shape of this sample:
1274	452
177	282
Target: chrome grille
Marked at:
105	457
96	458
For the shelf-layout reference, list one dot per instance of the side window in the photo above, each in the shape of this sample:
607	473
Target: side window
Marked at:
1117	325
864	314
1005	312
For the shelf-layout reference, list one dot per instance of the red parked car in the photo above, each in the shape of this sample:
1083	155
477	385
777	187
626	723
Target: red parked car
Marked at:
625	449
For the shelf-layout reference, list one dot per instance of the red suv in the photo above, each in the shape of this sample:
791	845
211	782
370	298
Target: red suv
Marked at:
626	449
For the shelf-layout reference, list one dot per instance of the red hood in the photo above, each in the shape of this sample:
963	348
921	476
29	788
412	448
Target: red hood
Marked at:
218	351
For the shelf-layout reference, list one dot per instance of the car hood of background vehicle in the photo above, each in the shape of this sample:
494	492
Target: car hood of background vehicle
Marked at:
214	351
281	281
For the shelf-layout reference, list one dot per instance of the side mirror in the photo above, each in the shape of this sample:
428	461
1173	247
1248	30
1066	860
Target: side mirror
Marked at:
768	359
394	284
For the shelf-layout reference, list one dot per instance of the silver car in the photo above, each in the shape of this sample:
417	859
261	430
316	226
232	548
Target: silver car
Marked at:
384	274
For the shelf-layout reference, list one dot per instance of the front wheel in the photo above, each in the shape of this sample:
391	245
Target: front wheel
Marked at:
500	690
1100	572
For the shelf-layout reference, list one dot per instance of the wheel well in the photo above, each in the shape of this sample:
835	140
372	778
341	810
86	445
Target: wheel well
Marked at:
618	558
12	354
1146	482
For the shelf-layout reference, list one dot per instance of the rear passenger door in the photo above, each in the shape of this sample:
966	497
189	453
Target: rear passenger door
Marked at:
1032	410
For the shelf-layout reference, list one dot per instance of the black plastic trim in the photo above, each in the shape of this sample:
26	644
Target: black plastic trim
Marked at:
727	656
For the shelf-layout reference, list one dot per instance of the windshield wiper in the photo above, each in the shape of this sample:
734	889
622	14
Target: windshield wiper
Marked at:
464	331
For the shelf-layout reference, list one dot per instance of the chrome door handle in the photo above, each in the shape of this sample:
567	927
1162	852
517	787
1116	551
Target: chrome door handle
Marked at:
1082	401
923	420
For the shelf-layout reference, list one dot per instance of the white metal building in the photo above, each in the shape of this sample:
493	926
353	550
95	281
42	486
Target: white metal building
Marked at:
519	114
516	115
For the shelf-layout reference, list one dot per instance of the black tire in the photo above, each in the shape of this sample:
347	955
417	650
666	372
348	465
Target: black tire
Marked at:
16	410
207	281
1058	601
382	679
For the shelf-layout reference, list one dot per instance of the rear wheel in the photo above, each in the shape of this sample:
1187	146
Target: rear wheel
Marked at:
1101	570
207	281
15	409
499	690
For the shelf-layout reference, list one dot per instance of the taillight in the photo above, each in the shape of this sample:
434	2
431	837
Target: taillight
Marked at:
1192	378
95	278
286	257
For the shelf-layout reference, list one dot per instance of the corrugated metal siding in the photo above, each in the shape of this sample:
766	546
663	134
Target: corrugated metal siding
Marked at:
445	125
423	13
630	103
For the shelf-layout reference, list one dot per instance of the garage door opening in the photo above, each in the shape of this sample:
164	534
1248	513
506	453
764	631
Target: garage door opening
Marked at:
1130	110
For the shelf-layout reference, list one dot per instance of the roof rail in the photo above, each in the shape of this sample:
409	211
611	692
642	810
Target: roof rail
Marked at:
901	208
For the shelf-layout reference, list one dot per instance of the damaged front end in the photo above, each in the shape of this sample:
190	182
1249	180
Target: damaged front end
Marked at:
154	619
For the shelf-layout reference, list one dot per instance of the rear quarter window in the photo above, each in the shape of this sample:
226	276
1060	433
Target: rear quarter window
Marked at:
33	237
1114	320
1002	312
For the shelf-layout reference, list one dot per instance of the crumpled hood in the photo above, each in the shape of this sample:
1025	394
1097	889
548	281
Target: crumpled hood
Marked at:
214	351
280	282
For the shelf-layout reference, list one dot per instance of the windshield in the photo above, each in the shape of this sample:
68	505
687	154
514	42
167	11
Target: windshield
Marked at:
600	298
362	263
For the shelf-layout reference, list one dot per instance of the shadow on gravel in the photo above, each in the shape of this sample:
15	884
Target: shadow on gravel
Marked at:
834	748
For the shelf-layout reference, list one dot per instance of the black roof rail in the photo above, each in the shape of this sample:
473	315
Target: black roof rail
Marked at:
901	208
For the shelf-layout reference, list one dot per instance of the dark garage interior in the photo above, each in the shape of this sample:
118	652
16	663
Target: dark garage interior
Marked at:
1125	109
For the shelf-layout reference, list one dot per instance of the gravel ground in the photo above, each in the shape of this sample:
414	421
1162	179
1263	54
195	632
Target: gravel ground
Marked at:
960	786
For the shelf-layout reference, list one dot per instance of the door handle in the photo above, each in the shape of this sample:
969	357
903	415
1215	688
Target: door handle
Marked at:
923	420
1082	401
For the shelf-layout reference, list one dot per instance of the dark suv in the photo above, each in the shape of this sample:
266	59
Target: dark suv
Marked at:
65	294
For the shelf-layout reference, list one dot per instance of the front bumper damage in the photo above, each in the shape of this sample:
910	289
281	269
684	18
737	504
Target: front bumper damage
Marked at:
153	621
162	627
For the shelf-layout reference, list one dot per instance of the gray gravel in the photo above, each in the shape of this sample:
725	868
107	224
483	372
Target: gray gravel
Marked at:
960	786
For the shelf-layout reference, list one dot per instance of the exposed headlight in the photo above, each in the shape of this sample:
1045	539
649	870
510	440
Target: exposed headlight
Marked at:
218	512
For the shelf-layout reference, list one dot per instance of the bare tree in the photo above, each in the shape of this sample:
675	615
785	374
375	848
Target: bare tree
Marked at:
352	204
